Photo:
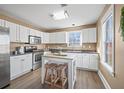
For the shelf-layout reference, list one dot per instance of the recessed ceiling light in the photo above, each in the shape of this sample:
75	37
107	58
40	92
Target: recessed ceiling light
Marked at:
60	15
73	24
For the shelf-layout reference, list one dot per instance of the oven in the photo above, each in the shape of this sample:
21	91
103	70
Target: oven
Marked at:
37	59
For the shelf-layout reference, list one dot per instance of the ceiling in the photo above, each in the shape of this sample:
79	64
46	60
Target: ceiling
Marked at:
39	14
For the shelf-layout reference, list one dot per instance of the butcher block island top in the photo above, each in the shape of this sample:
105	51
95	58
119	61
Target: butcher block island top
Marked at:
59	59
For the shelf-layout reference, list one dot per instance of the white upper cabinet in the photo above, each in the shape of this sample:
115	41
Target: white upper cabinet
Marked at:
85	36
61	37
14	31
2	22
92	35
24	34
32	32
52	37
18	33
57	37
41	34
89	35
37	33
45	38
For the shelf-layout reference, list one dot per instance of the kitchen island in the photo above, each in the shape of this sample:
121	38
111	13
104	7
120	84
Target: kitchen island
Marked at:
62	58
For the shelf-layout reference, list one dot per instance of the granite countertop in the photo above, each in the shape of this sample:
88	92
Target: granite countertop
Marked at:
62	55
19	54
89	52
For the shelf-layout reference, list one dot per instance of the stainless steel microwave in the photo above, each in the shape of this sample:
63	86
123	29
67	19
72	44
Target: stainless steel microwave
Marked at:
34	40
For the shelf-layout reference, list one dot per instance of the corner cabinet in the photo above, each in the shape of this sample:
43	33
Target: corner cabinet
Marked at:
20	65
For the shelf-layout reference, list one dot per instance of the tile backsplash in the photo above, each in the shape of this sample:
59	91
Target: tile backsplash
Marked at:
14	45
86	46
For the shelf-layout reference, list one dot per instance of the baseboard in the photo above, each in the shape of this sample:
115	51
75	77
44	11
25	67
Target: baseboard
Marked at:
87	69
107	86
19	75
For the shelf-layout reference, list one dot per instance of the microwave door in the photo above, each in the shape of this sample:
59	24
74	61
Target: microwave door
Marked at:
38	40
32	40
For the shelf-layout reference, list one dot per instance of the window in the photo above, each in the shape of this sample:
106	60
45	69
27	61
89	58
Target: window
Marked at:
108	42
74	39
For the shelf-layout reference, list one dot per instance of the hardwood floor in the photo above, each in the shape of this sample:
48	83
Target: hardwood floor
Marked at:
32	80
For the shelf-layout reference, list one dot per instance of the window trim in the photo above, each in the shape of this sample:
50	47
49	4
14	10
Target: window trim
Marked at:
67	40
110	69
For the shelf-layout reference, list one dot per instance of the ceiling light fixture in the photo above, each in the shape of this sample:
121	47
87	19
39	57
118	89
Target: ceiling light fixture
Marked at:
60	15
63	5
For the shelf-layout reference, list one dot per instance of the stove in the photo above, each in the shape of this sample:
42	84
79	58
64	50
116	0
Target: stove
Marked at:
37	56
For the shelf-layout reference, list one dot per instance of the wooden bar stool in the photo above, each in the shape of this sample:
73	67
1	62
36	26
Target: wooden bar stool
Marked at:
50	74
61	80
56	75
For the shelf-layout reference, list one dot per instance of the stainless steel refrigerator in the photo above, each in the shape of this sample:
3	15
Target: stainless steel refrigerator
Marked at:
4	57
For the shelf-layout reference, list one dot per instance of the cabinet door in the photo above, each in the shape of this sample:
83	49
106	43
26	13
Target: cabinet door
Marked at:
12	28
85	60
41	35
78	60
24	33
85	36
93	62
2	22
27	62
92	35
18	33
32	32
61	37
52	38
15	66
45	38
38	33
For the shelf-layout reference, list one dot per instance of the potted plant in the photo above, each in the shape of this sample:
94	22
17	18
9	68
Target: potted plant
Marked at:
122	23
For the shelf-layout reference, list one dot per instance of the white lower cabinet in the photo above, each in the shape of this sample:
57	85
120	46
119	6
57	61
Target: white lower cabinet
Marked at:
20	65
15	67
93	64
79	62
87	61
27	62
